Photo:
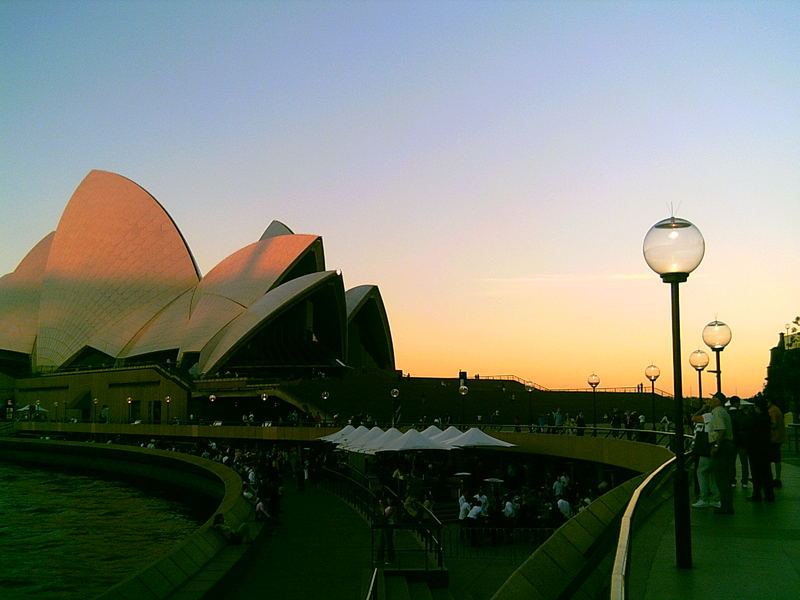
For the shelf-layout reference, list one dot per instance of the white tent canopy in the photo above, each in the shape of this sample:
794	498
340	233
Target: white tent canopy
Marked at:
431	431
358	443
413	440
378	443
351	437
476	437
448	434
336	436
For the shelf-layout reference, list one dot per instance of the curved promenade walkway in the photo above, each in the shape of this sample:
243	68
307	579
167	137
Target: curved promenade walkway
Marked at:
321	549
752	554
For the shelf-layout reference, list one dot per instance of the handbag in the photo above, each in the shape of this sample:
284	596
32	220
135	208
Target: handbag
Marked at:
701	445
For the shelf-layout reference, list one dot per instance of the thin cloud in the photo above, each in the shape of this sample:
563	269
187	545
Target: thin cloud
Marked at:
566	278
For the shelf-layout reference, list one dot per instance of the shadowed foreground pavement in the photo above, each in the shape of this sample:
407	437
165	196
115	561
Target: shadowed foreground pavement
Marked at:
321	549
752	554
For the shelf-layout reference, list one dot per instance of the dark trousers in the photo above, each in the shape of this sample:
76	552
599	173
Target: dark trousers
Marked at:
762	475
721	463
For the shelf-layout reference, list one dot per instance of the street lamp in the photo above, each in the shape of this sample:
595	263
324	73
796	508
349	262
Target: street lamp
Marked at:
394	393
94	408
463	390
168	401
673	248
529	389
130	409
55	410
717	335
652	372
211	398
594	380
699	360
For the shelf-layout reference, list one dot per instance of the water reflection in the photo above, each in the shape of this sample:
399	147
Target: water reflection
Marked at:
67	536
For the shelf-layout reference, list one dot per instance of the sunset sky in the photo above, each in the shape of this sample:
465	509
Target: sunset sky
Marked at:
492	166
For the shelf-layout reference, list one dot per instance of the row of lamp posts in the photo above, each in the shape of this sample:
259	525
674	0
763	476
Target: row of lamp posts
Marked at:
673	248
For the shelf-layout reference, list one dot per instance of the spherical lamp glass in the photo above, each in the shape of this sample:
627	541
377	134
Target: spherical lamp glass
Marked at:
698	359
463	390
652	372
394	393
593	380
716	335
673	247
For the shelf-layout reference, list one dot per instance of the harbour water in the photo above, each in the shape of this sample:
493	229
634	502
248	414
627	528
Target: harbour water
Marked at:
67	536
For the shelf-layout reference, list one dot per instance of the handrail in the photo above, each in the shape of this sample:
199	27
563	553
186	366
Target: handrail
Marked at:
372	592
525	382
619	571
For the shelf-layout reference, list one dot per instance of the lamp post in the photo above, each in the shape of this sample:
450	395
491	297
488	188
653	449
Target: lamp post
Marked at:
55	410
130	409
167	401
673	248
529	389
652	372
211	399
594	380
394	393
717	335
699	360
95	402
463	390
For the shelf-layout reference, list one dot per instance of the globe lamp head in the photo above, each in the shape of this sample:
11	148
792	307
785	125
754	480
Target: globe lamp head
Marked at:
673	248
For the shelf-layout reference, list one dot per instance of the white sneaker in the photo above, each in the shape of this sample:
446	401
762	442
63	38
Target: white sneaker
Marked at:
716	504
700	504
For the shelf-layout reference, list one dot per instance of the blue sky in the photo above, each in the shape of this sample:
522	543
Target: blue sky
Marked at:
492	166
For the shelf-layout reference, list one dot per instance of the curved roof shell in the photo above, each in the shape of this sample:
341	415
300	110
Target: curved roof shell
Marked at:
269	308
116	260
117	281
368	332
19	299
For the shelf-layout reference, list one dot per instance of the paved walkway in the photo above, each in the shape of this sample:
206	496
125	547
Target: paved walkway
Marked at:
321	549
752	554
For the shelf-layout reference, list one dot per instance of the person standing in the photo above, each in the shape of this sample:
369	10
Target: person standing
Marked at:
722	452
742	420
707	484
580	423
759	449
777	437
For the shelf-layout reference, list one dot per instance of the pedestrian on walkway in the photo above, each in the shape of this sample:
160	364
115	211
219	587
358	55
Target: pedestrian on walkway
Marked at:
386	519
701	448
722	452
759	449
777	437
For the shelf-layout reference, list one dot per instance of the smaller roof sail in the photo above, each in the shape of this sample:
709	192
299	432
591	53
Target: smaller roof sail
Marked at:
476	437
276	228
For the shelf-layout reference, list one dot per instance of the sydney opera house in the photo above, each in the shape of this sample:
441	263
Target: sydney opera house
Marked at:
110	313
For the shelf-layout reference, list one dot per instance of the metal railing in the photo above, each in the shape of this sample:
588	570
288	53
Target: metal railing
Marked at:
493	544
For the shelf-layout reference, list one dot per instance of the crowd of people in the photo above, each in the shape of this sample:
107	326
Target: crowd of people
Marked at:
731	433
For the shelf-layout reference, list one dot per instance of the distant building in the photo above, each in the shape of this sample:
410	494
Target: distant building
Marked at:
783	373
